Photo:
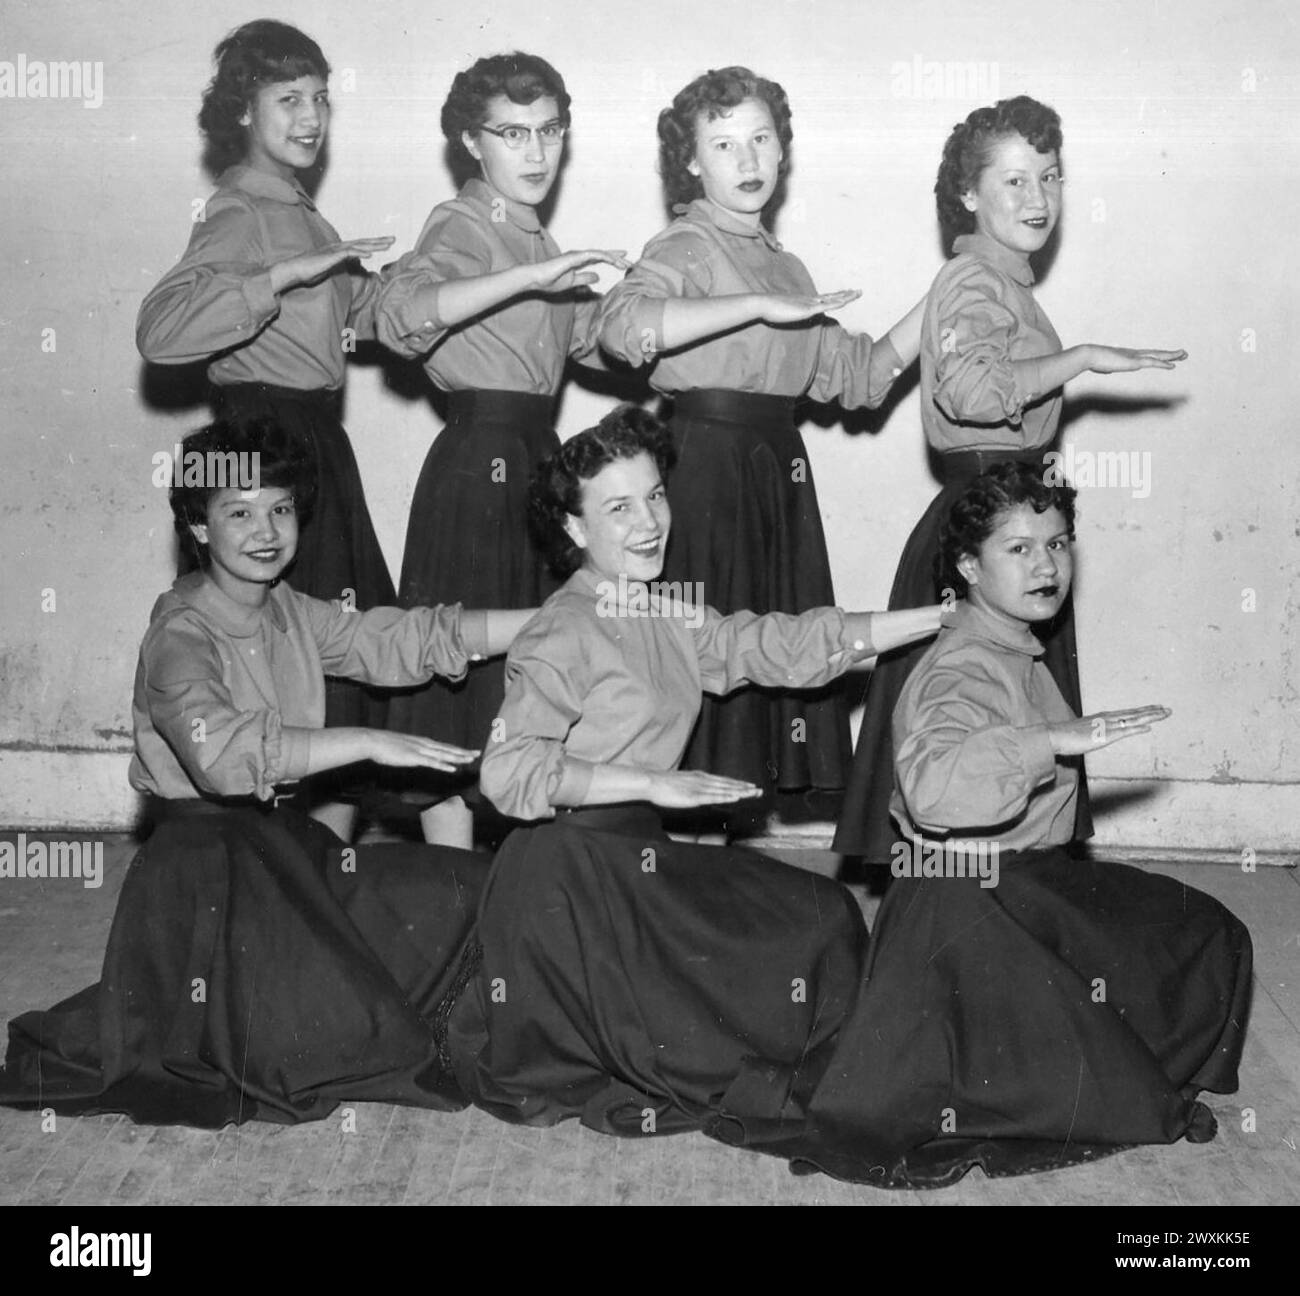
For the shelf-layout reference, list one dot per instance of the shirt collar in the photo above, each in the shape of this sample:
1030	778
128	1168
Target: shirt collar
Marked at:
1002	258
520	215
239	622
978	624
262	185
720	218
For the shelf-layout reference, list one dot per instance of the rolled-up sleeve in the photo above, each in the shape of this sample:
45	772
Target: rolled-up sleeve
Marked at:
451	246
393	648
777	650
225	751
632	312
217	297
975	381
853	368
959	765
524	766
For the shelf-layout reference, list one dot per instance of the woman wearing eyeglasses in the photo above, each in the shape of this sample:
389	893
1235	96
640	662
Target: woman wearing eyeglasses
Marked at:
509	310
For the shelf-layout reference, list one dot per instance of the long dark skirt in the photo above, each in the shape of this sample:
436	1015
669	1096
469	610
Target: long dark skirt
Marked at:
1072	1009
747	527
468	541
626	978
338	552
865	827
647	986
258	969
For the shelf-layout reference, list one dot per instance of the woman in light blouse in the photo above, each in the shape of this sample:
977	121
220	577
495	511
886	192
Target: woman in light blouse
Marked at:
992	369
257	967
495	311
639	973
730	326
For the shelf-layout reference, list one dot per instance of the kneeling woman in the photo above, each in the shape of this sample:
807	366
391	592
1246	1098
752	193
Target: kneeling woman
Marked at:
1023	1010
257	967
626	978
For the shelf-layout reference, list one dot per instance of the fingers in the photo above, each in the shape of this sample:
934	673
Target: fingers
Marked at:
367	246
834	300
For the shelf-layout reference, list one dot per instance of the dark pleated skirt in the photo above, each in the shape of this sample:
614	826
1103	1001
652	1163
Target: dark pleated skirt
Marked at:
258	969
865	827
338	552
1071	1010
469	542
626	978
747	527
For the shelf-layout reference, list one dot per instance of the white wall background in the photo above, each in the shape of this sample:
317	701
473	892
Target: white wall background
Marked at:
1181	127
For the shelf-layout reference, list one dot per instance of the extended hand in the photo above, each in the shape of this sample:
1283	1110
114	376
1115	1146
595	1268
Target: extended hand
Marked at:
1105	359
409	749
1077	737
561	272
686	789
310	266
790	308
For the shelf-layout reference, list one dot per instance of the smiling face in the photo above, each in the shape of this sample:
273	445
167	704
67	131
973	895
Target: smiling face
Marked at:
287	123
1023	570
251	537
625	520
1017	198
525	174
738	158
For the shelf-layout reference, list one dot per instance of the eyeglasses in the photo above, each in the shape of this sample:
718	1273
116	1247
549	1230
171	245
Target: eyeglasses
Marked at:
515	137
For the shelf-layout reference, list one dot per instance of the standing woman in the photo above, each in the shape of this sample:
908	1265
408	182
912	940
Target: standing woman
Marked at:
489	302
733	330
267	293
992	369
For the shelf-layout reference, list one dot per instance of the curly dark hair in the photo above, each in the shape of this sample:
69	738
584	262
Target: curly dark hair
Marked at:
261	448
969	150
256	54
714	95
521	78
556	488
974	515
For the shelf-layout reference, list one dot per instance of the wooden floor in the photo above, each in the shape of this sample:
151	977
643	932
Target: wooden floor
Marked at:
52	935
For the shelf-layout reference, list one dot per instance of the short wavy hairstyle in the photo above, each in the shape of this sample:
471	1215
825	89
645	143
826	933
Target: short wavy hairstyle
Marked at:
256	54
521	78
556	488
969	149
711	96
283	460
976	513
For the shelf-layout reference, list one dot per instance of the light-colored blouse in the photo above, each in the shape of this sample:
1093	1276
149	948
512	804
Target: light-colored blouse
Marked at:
592	681
520	346
971	749
980	315
708	252
227	696
217	301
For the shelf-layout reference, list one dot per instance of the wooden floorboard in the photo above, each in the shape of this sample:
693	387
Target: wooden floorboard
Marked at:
52	935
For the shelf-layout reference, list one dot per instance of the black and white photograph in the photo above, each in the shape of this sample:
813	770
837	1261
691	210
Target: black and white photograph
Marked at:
658	604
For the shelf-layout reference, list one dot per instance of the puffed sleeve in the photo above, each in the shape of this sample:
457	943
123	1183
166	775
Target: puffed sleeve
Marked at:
853	368
675	264
585	344
451	246
776	650
219	294
366	289
524	764
974	378
224	750
959	764
391	647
